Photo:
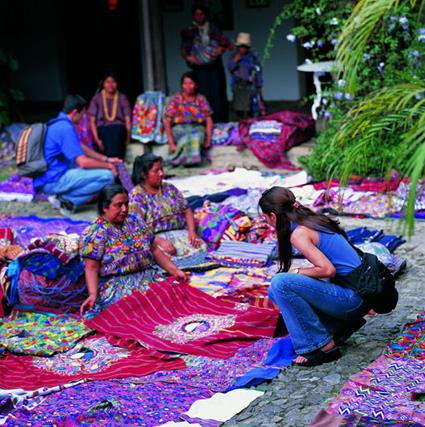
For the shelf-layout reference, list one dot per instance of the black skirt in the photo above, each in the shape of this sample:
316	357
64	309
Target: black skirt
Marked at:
114	140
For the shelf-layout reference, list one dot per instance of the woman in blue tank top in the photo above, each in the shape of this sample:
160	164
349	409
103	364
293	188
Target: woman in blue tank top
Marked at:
318	314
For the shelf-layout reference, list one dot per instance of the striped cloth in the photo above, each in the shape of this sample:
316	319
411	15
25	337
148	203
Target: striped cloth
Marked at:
99	361
234	253
178	318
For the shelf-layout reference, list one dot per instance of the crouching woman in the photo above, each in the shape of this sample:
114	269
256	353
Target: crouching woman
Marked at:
318	313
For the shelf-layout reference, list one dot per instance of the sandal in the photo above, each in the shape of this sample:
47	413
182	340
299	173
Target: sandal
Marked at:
317	357
347	329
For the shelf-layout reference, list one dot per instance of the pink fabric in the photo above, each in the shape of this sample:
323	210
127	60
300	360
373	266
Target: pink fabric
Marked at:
178	318
297	128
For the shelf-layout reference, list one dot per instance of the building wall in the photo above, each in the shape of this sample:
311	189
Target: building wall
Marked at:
31	35
281	79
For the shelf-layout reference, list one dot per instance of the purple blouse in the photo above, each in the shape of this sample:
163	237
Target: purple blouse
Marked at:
96	109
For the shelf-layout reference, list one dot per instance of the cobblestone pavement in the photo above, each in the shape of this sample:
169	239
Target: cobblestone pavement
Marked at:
297	394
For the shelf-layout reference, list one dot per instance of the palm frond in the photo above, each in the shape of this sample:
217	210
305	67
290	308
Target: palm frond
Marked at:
357	33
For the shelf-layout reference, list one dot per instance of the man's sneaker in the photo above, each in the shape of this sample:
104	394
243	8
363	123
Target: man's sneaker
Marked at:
66	212
66	204
54	201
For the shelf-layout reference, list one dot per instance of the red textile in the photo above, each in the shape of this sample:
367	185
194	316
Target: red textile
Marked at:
377	185
29	373
297	128
178	318
6	234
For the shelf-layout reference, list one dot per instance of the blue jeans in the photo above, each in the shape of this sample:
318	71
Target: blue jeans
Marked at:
80	185
313	308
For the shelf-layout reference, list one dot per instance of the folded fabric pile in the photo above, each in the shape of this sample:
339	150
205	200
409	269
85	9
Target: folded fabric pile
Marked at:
270	146
233	253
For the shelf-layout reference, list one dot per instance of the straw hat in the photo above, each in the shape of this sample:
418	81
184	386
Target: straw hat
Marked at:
244	39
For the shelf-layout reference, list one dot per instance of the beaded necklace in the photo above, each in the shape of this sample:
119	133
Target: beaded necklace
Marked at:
110	118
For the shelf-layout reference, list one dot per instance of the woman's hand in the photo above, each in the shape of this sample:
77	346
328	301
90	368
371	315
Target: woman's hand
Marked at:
88	303
172	147
191	59
114	160
181	276
195	241
99	144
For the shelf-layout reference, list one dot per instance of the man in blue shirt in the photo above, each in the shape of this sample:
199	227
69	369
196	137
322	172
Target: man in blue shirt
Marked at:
75	173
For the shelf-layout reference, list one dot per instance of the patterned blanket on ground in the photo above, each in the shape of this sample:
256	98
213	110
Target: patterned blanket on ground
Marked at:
389	391
41	333
93	358
178	318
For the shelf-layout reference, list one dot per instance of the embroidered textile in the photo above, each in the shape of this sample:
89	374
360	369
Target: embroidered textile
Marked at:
162	211
189	138
184	249
207	372
113	288
140	317
84	132
120	250
183	111
148	118
91	359
112	403
384	391
27	228
296	128
243	253
41	333
223	133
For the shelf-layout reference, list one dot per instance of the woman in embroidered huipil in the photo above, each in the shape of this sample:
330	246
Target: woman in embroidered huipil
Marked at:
188	123
163	208
119	252
110	118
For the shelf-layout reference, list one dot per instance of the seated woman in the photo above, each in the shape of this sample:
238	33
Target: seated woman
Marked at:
188	123
317	312
163	208
119	252
110	118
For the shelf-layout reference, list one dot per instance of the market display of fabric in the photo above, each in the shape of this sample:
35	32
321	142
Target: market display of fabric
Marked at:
270	146
27	228
213	220
207	372
17	188
389	390
235	253
178	318
201	185
7	148
112	403
225	133
41	333
148	118
92	358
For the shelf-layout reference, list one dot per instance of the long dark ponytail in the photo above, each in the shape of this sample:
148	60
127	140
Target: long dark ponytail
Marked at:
283	204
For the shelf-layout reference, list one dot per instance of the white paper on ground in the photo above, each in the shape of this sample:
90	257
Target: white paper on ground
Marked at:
223	406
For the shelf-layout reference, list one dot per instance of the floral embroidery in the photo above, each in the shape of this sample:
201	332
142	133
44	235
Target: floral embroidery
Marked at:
182	111
163	211
120	250
193	327
87	357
